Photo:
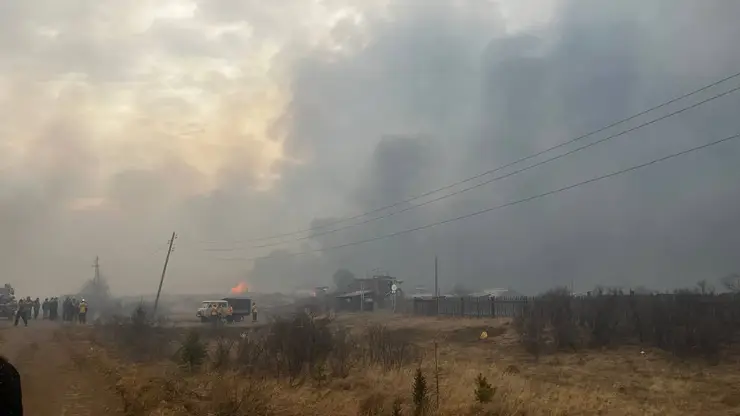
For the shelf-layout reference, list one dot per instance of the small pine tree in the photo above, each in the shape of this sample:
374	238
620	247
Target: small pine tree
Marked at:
483	390
193	351
420	392
396	410
319	373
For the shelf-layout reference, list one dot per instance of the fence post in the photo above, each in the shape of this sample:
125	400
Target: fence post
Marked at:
462	307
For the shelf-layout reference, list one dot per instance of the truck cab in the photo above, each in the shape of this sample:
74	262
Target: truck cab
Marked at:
204	311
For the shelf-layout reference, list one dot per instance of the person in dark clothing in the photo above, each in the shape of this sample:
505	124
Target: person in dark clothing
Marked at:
22	312
54	311
11	400
36	307
65	309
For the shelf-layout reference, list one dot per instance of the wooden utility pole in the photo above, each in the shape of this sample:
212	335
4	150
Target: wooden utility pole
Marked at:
96	265
164	270
362	295
436	283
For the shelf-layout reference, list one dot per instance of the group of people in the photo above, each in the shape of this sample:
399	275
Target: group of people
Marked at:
26	310
72	310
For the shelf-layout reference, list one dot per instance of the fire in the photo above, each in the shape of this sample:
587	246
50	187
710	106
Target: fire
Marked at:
240	288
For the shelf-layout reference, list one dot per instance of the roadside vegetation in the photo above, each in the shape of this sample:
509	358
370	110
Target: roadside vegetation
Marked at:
610	354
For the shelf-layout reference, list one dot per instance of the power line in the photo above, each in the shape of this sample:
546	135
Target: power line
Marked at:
508	204
413	198
494	179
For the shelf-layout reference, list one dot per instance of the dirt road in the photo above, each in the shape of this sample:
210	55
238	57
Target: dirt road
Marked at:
53	385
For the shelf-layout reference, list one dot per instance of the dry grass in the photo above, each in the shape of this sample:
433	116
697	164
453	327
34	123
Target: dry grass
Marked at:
619	381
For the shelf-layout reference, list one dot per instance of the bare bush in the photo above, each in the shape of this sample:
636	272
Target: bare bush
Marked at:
231	398
686	324
221	355
390	349
136	336
298	344
250	354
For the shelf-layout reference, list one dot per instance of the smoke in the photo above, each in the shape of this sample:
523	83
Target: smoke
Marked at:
225	121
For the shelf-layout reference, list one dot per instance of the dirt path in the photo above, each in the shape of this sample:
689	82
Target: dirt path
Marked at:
53	385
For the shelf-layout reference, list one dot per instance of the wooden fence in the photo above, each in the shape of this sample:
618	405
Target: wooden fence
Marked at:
470	306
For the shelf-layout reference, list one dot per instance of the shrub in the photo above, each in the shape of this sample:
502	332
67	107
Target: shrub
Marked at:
396	409
229	398
483	391
250	355
688	324
388	348
192	353
298	344
221	356
420	393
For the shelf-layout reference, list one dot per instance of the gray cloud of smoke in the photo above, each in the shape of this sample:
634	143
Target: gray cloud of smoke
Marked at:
420	97
470	98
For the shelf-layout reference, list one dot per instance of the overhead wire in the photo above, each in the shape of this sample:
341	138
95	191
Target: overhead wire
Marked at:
508	204
486	182
488	172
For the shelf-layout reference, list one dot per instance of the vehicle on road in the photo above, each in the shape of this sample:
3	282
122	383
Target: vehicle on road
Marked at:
240	307
8	303
204	311
234	309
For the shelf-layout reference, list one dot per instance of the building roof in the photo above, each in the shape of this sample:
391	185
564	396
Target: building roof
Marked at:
356	293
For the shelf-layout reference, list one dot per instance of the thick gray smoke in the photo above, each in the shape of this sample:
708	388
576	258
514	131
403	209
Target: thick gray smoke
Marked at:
405	99
442	92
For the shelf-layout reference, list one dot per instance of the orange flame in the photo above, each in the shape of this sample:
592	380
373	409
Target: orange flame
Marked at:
240	288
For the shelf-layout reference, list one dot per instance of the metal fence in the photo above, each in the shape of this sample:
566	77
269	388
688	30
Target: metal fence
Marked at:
470	306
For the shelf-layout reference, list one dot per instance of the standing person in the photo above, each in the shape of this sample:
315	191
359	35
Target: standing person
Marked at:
22	312
11	399
36	307
54	308
82	315
214	314
73	315
66	309
45	309
254	311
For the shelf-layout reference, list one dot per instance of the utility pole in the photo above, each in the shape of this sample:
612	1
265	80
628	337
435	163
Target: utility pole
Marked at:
164	270
362	295
436	283
96	265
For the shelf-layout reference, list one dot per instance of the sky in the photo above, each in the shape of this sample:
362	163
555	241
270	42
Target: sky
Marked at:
228	121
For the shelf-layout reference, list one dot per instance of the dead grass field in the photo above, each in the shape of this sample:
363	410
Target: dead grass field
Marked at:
618	381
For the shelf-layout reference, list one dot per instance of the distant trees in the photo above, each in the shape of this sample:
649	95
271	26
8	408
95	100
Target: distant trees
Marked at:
704	287
343	278
731	282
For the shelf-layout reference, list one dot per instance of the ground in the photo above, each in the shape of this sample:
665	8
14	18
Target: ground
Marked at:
72	371
54	383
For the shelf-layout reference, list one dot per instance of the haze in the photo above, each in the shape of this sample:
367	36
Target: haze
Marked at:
228	120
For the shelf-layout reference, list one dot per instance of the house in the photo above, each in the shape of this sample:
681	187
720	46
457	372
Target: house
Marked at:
379	287
357	301
496	293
